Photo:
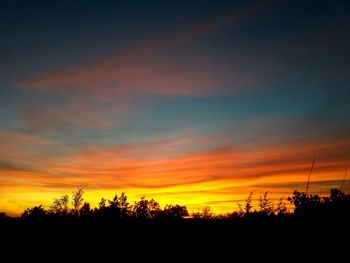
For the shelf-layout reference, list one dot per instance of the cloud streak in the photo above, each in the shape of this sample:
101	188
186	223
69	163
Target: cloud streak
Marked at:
105	92
101	93
151	66
164	169
76	112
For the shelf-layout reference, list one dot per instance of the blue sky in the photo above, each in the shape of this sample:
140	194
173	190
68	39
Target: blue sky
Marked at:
225	79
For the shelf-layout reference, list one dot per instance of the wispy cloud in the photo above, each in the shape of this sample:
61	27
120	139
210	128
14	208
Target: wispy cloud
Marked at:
150	66
165	168
100	93
75	112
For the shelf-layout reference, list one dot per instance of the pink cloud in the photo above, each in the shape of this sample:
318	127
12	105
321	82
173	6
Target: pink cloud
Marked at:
99	91
80	111
153	67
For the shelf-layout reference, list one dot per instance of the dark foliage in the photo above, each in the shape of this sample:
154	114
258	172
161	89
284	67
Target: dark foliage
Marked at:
37	212
118	224
108	210
174	211
336	206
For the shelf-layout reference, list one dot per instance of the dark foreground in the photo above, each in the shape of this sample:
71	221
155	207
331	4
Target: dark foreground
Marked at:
177	238
318	227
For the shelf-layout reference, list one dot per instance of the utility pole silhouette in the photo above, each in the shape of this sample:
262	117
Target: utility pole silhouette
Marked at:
344	178
308	180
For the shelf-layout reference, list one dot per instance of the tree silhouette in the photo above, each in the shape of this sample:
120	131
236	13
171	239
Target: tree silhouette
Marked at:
336	206
102	203
85	210
175	211
203	213
77	200
37	212
305	204
123	205
119	206
246	210
60	206
337	195
3	215
265	205
281	208
146	209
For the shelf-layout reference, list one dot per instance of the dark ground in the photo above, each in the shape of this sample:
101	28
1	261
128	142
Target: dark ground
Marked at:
177	239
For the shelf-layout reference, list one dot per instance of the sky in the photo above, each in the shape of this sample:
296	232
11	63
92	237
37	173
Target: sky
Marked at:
195	103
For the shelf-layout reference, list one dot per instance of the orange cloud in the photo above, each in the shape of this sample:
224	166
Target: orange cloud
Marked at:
162	169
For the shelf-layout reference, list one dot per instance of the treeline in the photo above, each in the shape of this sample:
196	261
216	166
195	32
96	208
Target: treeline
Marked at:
337	204
116	208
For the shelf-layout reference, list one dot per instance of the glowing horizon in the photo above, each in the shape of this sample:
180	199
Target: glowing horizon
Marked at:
194	103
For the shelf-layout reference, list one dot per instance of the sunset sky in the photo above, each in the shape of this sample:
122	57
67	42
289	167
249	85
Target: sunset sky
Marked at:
189	102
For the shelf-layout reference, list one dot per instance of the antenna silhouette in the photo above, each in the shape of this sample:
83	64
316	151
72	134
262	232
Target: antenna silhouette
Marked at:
308	180
344	178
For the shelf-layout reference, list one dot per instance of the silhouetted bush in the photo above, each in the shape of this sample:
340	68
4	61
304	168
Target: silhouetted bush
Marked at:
281	208
85	210
3	215
37	212
266	206
308	205
146	209
305	204
117	208
203	213
174	211
247	209
60	207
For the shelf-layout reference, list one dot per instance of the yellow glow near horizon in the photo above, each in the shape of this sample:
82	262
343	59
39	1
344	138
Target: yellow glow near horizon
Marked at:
221	196
218	177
